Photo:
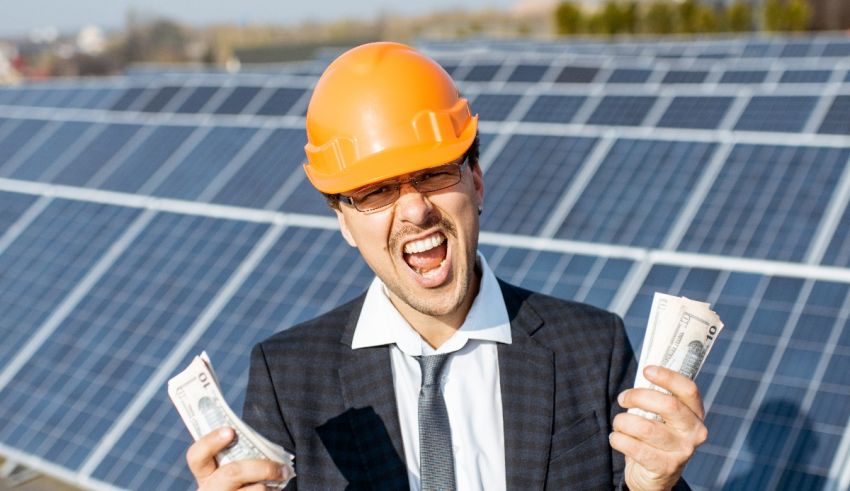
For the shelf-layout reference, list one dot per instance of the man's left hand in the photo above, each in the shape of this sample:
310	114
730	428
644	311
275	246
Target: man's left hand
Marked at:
656	452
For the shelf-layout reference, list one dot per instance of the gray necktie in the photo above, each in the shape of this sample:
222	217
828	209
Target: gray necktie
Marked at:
436	459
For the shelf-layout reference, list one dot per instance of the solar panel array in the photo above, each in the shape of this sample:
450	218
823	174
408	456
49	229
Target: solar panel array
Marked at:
152	216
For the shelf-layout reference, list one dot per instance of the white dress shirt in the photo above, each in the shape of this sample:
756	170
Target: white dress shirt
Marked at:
470	381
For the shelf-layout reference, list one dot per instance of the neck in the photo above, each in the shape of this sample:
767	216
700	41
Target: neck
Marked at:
437	329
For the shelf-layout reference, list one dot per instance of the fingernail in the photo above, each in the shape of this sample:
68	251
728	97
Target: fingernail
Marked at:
651	371
621	397
225	433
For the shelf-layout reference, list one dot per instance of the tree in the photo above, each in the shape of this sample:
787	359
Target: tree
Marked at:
660	18
793	15
568	18
799	15
739	16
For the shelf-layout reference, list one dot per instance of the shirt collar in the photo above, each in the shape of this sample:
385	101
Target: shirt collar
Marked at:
381	323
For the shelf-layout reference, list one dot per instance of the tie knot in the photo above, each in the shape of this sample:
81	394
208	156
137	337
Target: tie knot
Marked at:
432	367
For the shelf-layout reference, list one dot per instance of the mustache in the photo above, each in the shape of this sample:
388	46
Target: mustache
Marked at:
400	236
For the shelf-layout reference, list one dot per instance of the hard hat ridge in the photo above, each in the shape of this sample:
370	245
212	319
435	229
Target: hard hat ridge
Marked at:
381	110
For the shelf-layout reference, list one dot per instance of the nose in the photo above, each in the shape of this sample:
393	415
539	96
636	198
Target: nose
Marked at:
412	206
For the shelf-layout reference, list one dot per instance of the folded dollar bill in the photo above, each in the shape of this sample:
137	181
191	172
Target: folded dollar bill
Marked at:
679	334
197	395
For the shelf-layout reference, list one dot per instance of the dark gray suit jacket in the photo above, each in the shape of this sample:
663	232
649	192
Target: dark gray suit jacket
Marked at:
335	409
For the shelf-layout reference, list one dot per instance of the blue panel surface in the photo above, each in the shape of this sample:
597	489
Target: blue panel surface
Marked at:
481	73
805	76
203	164
695	112
637	192
263	175
197	99
294	282
162	97
127	99
50	152
554	108
629	76
47	260
684	77
135	170
520	202
776	113
528	73
236	101
838	251
621	110
778	222
18	133
743	76
494	107
837	119
280	102
577	75
86	373
95	156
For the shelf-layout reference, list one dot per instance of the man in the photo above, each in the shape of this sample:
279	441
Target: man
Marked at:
528	390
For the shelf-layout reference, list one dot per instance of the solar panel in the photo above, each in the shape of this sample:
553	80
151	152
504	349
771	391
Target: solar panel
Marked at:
805	76
495	107
236	100
38	161
528	73
280	102
554	108
197	99
621	110
95	156
684	77
577	74
837	119
162	97
776	113
695	112
743	76
481	73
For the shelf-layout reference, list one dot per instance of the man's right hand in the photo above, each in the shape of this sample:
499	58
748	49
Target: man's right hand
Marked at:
242	474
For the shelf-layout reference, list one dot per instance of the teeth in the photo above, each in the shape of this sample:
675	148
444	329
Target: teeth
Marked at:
425	244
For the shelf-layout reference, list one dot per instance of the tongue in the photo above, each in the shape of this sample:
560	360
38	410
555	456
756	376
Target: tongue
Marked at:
430	259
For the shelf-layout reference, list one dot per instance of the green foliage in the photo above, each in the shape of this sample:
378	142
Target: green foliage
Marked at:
791	15
568	18
695	17
660	17
739	16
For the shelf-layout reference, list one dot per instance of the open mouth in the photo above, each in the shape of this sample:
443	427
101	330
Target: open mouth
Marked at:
425	256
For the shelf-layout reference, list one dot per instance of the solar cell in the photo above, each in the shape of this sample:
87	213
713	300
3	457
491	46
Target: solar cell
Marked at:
836	49
795	49
280	102
162	97
236	101
837	119
481	73
128	98
494	107
776	113
554	108
838	251
17	135
528	73
621	110
195	172
629	76
684	77
84	375
137	168
49	153
197	99
577	74
805	76
766	202
637	192
743	76
522	200
95	156
695	112
47	260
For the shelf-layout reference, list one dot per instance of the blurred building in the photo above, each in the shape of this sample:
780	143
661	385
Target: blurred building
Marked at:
830	15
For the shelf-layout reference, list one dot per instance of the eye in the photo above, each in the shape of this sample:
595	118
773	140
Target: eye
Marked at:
374	192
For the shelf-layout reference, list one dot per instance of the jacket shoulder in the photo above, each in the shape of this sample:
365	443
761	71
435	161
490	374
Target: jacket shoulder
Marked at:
327	328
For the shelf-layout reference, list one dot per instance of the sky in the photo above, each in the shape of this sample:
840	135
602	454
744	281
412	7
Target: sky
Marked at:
19	17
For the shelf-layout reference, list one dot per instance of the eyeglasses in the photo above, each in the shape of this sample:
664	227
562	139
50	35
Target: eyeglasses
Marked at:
385	193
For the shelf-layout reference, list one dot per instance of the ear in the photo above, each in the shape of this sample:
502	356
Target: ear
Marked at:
478	183
343	228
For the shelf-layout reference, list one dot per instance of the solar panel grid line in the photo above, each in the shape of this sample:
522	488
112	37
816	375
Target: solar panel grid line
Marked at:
266	91
734	113
820	110
169	365
218	97
46	329
577	185
234	164
839	471
662	103
59	472
173	162
115	161
88	160
763	384
28	148
831	218
178	99
24	221
814	383
504	132
586	110
631	286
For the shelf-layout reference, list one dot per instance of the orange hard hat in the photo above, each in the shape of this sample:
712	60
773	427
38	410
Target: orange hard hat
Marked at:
381	110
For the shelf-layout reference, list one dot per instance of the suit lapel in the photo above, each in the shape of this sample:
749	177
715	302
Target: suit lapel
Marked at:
368	392
527	379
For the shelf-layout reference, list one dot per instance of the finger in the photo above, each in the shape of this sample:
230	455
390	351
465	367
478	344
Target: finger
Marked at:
201	455
652	433
241	473
650	458
682	387
673	411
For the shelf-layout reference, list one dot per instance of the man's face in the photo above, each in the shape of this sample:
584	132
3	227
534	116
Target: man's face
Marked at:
423	246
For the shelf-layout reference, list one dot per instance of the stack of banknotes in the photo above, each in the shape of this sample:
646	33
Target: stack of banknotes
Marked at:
197	395
679	334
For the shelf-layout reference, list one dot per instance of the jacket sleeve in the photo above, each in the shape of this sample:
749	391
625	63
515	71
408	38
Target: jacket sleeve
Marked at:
262	410
623	367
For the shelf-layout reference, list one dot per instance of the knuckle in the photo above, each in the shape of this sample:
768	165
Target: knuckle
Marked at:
701	435
670	405
231	471
644	429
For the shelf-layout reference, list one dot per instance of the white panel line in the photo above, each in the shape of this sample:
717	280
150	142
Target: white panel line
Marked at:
166	368
577	185
73	298
175	159
703	186
831	218
630	286
235	164
120	156
23	222
839	471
